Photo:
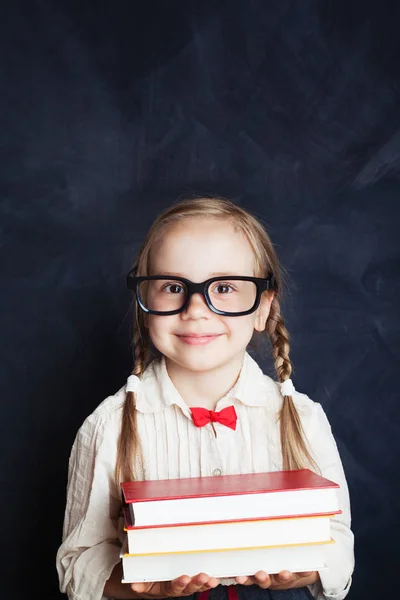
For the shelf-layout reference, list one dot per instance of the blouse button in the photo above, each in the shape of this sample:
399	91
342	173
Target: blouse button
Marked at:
217	472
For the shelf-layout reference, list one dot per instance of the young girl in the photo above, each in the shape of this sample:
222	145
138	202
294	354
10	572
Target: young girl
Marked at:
206	278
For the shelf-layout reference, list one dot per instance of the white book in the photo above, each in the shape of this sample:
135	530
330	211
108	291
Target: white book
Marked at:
222	563
236	534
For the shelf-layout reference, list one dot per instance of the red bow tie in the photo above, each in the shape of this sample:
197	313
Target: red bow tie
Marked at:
227	416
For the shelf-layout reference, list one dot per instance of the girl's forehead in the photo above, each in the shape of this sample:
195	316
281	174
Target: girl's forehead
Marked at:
201	248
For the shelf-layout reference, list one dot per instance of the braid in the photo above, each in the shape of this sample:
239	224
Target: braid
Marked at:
128	442
279	336
295	454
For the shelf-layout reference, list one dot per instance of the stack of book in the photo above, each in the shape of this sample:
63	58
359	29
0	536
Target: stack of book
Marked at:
228	525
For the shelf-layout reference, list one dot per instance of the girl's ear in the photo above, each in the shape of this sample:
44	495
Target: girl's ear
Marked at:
263	310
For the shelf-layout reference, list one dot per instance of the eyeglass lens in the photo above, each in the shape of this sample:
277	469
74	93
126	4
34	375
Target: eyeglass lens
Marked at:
167	295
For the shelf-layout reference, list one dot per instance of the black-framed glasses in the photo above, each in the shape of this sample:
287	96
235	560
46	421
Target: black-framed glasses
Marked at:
232	295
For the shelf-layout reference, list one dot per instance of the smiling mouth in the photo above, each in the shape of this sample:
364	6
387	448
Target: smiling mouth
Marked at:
197	339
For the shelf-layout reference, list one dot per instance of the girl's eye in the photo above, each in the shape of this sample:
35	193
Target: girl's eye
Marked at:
223	288
173	288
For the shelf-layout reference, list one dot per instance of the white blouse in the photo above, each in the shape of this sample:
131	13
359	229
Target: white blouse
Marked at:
172	446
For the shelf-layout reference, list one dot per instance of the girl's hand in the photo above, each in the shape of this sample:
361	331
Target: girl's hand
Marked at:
281	581
181	586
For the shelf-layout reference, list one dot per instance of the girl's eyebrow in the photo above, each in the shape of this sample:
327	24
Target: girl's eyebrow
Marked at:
179	275
225	274
168	274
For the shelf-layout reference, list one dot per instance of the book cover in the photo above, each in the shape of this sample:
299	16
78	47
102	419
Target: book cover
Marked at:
223	485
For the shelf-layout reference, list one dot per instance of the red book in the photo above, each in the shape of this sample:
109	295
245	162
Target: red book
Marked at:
278	494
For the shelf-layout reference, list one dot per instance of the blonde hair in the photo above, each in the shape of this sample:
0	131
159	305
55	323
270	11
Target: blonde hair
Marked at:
295	452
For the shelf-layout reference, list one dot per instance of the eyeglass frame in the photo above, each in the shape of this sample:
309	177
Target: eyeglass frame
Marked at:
262	285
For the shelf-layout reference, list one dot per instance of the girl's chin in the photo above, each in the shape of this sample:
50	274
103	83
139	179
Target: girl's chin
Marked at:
199	362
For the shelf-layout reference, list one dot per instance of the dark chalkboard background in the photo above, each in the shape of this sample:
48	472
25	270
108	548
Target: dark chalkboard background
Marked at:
111	110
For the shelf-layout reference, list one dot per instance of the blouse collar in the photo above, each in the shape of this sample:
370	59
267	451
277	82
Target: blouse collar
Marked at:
157	391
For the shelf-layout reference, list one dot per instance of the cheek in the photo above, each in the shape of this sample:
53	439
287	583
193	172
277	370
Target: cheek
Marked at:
241	327
158	326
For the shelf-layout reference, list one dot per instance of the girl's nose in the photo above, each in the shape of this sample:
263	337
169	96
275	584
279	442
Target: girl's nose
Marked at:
197	308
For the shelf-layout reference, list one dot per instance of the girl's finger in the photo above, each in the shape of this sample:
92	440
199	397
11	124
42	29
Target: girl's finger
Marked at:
263	579
140	588
284	577
176	586
196	584
213	582
303	574
243	580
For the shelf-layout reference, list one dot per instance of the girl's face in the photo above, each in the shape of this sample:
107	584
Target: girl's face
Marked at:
198	249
